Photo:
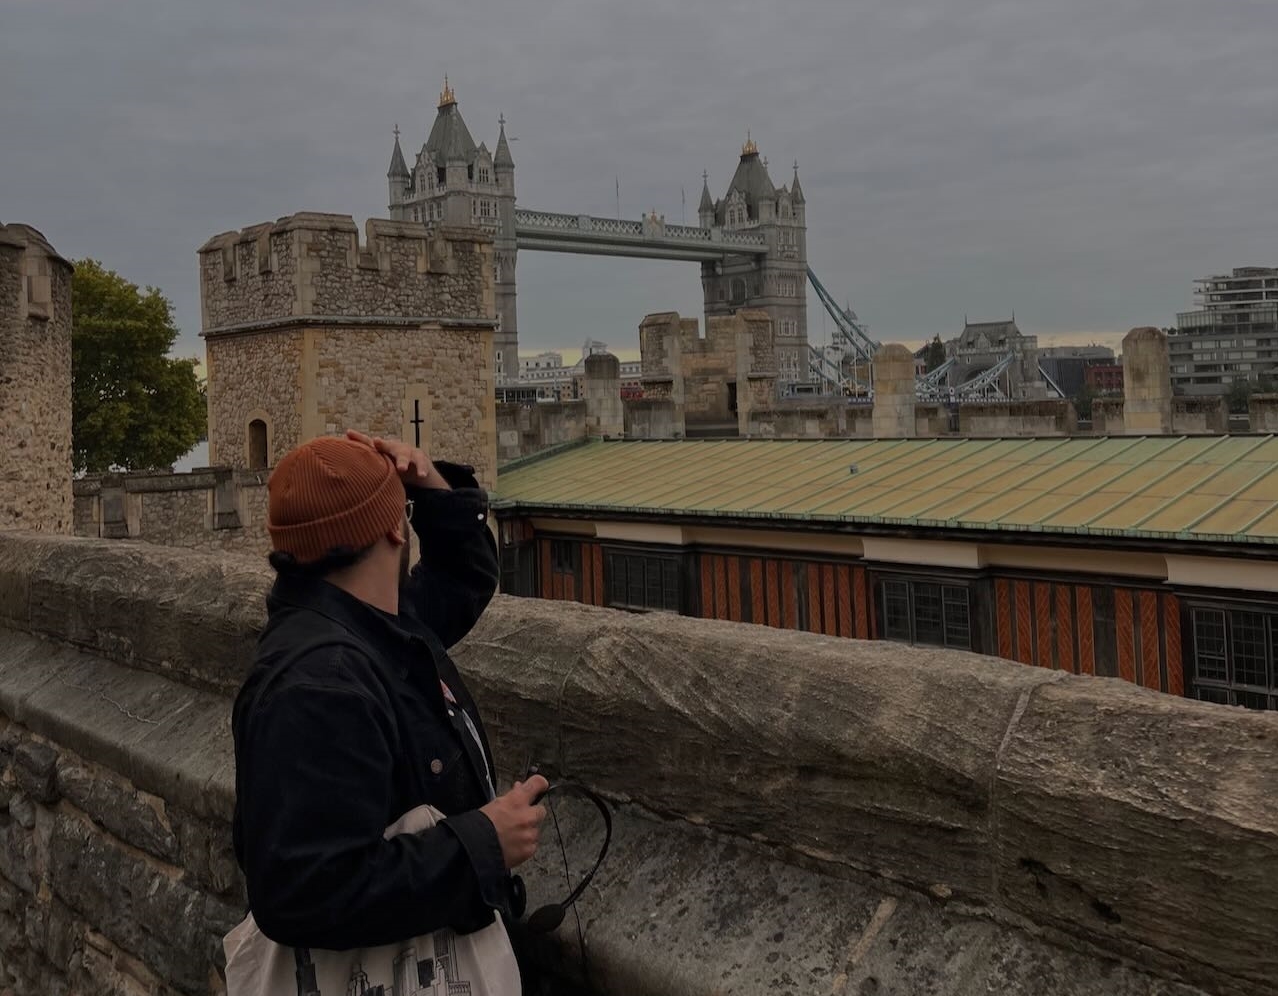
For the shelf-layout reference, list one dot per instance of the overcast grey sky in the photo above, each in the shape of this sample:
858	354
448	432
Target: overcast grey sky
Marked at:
1078	161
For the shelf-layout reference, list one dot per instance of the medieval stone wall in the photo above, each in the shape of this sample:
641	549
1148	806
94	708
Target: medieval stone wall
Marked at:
313	264
1200	416
35	383
310	333
525	429
715	379
929	821
1107	416
1018	418
803	419
1262	410
211	510
254	376
652	417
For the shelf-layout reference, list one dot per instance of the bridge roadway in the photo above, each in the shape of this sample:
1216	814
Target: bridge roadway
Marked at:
646	238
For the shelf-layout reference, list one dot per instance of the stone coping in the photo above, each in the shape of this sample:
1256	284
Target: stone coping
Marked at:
1142	824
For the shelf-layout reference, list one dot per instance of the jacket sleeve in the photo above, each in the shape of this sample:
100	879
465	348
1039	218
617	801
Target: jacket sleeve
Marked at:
314	788
457	575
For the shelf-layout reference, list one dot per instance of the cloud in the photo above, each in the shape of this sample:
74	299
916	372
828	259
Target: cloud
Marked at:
1077	161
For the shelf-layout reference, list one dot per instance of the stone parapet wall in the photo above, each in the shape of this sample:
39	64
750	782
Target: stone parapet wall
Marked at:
312	264
1018	418
527	428
652	418
1107	417
1199	416
214	509
808	419
1262	411
837	813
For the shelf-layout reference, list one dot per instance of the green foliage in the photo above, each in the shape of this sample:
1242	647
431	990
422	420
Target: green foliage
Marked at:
935	354
133	406
1238	395
1083	401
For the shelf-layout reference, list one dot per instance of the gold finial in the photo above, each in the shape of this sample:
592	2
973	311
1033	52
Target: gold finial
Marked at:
749	149
446	96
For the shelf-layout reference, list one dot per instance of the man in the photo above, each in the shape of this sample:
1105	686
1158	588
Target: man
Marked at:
353	713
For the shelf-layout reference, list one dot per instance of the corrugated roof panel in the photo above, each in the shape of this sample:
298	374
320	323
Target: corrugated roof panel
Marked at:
1218	487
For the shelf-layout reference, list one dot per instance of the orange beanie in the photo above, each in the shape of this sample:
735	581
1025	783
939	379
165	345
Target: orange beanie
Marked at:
332	494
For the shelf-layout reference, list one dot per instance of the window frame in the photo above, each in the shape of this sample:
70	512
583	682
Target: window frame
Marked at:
672	585
907	631
1222	685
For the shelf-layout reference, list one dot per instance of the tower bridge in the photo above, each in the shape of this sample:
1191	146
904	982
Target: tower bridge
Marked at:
751	243
647	238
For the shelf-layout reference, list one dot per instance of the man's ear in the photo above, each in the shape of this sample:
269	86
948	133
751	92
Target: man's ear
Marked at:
399	535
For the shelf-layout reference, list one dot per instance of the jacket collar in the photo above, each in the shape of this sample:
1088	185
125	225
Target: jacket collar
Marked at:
383	631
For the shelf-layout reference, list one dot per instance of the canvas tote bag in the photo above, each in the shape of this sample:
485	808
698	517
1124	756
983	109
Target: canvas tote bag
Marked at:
438	964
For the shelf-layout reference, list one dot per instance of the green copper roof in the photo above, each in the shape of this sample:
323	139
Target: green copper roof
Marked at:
1203	488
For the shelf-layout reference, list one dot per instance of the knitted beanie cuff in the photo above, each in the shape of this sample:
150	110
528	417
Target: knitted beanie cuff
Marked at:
352	529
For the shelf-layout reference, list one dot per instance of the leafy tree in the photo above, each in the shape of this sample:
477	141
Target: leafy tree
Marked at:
1083	401
133	406
1238	395
935	354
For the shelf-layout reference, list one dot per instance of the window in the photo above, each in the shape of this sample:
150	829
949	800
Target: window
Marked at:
1234	657
926	612
565	556
517	566
259	458
441	175
643	581
484	175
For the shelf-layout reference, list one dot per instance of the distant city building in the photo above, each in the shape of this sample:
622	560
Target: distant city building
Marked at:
1067	365
1001	353
541	361
1104	378
544	376
1233	337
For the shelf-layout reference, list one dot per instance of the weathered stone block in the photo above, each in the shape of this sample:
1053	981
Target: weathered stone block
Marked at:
1097	837
133	816
137	904
880	767
35	770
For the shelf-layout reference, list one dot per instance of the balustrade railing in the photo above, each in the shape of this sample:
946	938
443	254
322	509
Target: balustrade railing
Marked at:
552	221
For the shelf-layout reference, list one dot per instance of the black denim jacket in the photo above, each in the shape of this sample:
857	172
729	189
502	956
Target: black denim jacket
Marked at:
342	727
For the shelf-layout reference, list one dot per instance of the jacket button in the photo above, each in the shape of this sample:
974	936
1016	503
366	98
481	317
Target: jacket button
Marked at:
436	766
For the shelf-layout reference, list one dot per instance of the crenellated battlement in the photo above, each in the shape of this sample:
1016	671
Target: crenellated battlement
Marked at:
312	265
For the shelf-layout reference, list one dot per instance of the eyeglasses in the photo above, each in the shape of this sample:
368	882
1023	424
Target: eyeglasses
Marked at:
408	510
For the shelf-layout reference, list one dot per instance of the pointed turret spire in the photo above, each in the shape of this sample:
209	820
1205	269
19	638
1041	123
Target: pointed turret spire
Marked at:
796	192
707	202
398	168
502	158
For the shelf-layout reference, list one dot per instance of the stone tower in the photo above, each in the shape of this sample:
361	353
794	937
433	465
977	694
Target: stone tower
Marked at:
35	382
775	283
456	182
310	330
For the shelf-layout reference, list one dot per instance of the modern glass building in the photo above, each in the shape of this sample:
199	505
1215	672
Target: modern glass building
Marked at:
1232	337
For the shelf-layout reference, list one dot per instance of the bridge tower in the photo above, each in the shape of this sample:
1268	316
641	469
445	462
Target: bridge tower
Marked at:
456	182
776	282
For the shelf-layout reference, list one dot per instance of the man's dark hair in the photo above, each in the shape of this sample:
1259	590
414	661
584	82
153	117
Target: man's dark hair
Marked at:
337	559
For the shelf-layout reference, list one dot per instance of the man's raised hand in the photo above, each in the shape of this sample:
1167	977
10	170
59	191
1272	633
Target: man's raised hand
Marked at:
411	463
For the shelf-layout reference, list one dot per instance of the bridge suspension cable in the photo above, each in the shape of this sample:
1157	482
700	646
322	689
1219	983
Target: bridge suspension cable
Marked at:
850	333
